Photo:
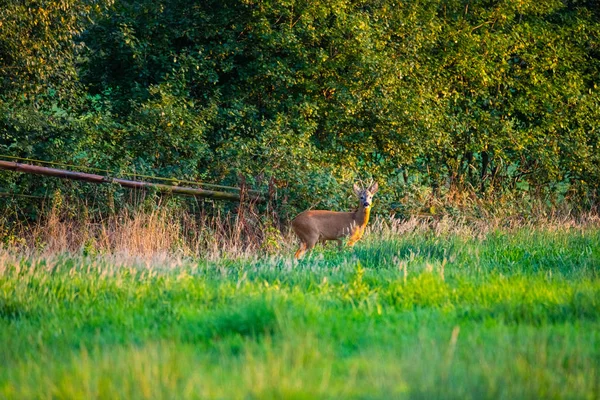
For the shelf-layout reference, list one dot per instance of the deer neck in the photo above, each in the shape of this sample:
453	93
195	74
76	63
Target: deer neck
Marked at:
361	216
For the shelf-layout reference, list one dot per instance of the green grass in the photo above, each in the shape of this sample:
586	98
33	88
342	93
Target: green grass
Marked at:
513	315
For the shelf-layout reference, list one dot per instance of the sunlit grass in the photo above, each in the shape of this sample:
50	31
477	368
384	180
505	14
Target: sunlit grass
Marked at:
508	313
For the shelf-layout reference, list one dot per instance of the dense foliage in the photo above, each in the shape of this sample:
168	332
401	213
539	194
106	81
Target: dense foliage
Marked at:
486	97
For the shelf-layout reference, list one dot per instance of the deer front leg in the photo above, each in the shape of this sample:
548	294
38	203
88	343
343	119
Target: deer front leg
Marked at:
355	237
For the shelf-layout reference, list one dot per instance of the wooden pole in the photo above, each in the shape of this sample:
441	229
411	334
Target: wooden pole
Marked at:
93	178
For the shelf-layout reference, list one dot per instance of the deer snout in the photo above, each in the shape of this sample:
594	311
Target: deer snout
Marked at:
366	204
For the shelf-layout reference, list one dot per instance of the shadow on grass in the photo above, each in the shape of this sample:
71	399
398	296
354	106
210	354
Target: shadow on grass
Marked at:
581	307
11	309
389	253
253	319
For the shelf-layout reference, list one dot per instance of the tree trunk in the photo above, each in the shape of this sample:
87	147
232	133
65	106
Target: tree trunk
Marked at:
485	161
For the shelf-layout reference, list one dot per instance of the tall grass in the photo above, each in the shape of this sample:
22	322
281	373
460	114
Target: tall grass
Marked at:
142	232
157	304
424	314
171	232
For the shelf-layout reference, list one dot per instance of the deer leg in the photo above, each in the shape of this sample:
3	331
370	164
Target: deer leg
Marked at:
300	251
306	245
310	244
355	237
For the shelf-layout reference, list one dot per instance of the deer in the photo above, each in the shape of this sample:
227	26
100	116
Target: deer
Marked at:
314	226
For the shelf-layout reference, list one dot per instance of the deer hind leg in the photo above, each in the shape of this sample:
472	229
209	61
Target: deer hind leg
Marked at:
300	251
310	244
306	246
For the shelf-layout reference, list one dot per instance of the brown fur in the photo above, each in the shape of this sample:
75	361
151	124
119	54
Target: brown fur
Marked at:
314	226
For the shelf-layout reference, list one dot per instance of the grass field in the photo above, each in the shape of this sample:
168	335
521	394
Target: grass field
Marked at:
510	314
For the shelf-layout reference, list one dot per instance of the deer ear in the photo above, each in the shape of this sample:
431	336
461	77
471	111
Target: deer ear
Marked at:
357	189
374	187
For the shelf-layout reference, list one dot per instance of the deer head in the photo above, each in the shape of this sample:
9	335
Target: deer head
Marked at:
365	196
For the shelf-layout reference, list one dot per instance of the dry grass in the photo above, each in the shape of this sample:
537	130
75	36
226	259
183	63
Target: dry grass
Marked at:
477	227
167	233
161	232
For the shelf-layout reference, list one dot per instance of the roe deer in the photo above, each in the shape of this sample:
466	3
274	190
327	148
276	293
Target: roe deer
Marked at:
314	226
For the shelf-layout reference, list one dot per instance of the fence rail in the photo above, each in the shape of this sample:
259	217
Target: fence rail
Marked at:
94	178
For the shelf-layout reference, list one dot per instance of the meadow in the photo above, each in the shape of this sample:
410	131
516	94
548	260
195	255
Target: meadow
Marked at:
412	311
